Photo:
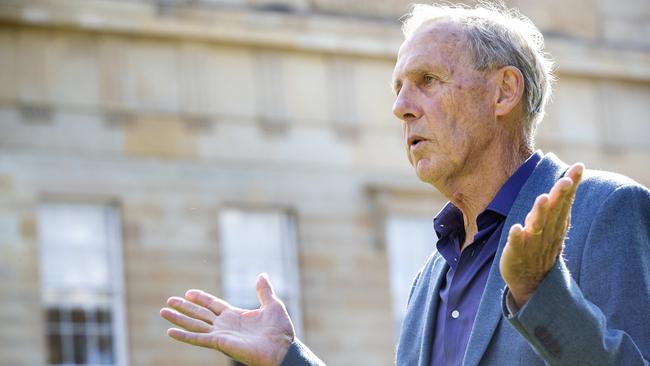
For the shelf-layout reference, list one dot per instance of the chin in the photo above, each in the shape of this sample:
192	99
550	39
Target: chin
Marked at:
425	178
424	173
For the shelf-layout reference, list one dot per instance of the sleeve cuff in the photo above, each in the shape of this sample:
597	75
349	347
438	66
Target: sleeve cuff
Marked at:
299	355
540	320
511	307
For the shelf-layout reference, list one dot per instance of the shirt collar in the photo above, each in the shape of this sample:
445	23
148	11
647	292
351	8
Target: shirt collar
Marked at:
450	218
504	199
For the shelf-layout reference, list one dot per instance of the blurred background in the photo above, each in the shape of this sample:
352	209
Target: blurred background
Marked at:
148	147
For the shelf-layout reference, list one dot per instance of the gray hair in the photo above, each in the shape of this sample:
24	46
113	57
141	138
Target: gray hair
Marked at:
497	37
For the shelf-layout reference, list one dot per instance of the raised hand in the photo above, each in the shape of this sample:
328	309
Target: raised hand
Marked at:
532	249
259	337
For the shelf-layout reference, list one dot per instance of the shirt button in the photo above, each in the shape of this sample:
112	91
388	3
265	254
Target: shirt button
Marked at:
455	314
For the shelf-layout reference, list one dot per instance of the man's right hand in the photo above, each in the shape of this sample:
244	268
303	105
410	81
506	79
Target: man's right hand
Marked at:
259	337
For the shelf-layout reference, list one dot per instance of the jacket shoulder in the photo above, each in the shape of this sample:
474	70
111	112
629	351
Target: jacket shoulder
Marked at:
602	184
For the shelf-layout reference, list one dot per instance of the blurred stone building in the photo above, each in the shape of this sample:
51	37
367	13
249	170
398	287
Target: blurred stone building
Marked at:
149	147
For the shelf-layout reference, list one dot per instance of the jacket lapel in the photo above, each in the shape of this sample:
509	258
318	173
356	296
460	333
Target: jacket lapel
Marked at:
440	267
547	172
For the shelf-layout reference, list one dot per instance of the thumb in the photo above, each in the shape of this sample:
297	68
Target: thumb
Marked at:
265	293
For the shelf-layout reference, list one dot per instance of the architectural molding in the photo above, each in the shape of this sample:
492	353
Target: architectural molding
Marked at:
309	32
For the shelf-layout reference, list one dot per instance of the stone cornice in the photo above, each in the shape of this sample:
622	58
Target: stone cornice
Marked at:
304	32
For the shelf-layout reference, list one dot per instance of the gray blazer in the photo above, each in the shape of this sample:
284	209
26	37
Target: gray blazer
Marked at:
593	308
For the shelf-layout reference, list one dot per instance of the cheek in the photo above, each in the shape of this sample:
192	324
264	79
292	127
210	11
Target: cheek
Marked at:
477	98
406	147
467	105
444	106
454	101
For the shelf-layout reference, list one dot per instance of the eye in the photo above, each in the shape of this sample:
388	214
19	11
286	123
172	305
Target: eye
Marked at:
428	78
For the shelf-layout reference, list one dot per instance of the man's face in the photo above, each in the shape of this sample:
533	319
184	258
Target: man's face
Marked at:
446	106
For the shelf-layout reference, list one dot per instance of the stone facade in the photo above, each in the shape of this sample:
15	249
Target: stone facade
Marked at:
175	109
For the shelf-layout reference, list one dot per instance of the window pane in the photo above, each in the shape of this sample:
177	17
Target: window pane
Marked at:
105	347
53	316
410	242
54	349
80	349
103	319
74	247
78	317
253	242
103	316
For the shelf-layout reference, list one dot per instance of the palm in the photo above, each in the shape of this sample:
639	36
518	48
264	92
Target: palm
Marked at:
259	337
248	336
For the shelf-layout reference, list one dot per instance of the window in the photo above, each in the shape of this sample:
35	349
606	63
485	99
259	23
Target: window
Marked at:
344	91
81	284
411	240
256	241
271	101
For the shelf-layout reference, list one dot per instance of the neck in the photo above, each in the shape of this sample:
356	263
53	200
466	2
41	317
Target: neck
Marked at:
473	191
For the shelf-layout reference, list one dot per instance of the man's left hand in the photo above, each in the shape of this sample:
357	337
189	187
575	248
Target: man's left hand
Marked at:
532	249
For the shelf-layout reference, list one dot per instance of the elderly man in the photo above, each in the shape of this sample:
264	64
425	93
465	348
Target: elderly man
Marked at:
471	86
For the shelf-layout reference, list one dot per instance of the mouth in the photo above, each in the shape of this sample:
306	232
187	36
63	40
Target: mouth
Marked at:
414	140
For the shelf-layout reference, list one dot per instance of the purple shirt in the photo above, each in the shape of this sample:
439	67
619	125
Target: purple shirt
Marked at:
461	289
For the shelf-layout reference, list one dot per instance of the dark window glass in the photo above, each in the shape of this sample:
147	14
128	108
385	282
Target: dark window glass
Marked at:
80	352
105	349
78	316
54	347
103	316
77	336
53	315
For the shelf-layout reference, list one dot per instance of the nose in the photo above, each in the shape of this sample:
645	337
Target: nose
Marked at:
405	106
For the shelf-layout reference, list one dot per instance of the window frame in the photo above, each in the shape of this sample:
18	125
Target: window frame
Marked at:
290	261
111	213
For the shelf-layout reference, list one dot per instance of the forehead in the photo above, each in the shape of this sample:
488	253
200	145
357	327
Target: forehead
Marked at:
439	44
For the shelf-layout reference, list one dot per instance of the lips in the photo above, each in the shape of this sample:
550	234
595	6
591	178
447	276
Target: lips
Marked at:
415	140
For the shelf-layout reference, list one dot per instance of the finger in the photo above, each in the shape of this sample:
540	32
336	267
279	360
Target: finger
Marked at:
191	309
184	321
196	339
265	293
215	304
516	236
567	185
536	219
556	200
575	174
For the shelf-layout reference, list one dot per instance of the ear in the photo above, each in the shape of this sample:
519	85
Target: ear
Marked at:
510	89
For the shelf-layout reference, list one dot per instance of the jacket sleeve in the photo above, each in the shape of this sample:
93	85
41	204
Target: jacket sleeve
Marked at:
603	318
300	355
